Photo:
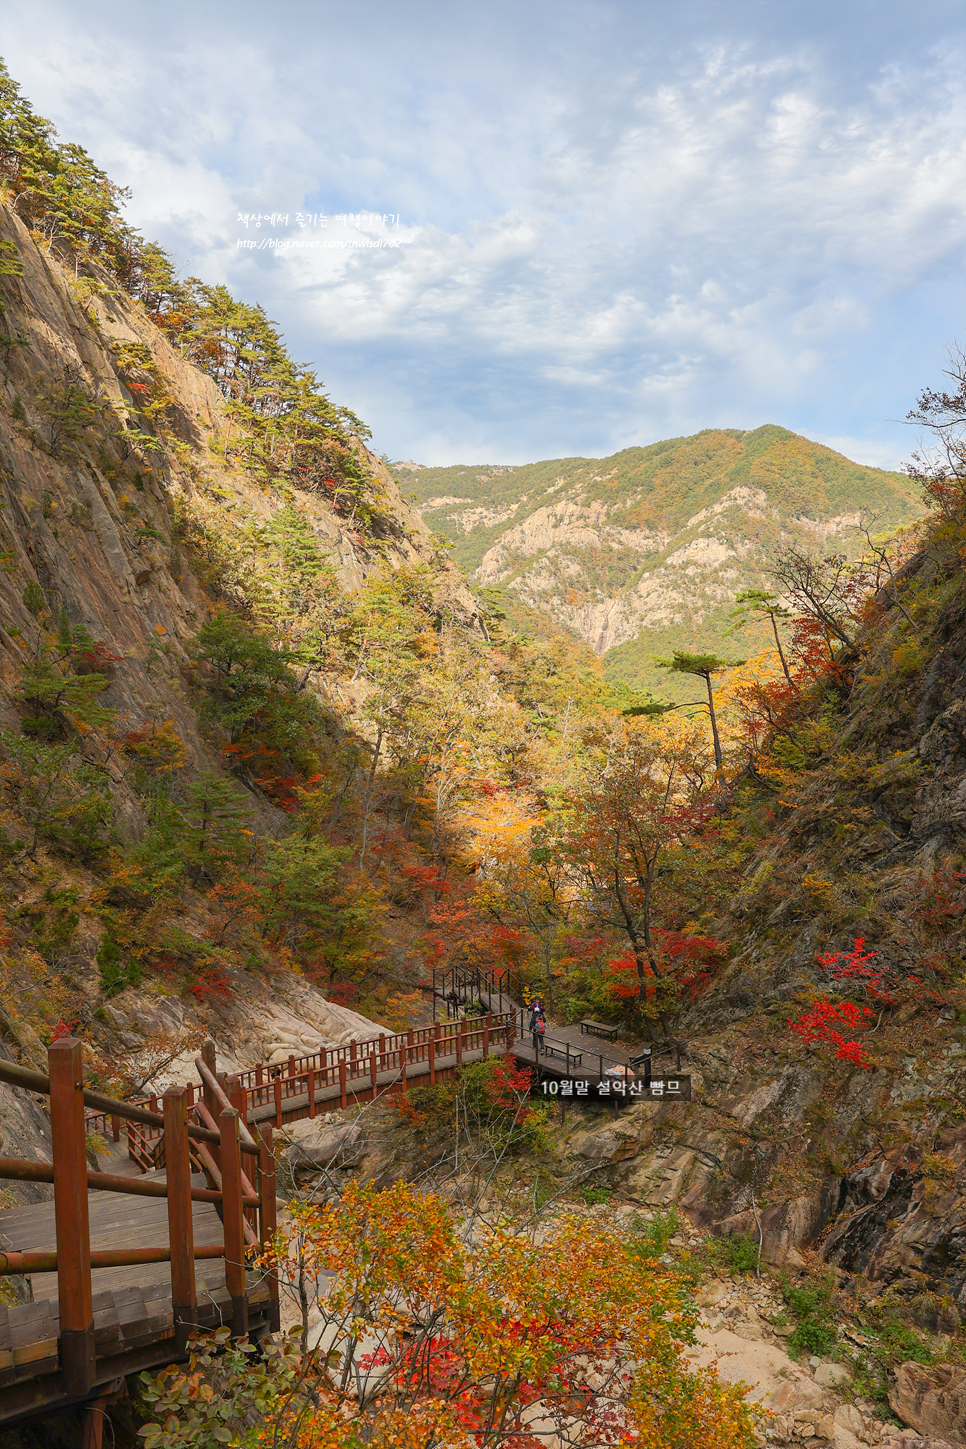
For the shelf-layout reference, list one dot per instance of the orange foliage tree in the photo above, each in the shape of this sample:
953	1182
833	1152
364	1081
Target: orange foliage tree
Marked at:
425	1339
636	803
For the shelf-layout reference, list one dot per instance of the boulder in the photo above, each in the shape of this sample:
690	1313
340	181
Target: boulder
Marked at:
932	1400
832	1376
317	1144
892	1440
795	1395
847	1416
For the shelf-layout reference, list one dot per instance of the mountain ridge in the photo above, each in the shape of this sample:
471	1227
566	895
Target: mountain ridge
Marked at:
651	544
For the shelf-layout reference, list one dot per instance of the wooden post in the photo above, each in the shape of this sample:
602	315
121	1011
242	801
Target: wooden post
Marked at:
236	1096
352	1051
432	1061
278	1101
460	1040
116	1128
208	1056
259	1074
342	1091
568	1058
310	1088
486	1034
233	1217
177	1163
374	1071
267	1214
65	1065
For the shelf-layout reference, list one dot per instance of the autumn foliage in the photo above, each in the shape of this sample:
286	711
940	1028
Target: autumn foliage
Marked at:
430	1334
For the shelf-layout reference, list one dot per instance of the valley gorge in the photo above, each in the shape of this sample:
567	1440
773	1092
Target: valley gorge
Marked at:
273	755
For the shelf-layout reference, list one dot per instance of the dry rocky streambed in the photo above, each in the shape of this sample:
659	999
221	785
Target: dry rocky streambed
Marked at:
745	1324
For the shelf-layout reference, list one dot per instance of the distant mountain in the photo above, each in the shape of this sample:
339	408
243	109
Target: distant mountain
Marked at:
644	552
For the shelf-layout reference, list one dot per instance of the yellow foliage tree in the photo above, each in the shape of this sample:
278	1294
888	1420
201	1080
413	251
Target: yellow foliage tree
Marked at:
429	1336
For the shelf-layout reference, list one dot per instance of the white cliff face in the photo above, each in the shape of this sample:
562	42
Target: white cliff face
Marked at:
660	539
554	558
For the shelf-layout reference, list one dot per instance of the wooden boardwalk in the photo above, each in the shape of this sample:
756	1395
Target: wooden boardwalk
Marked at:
122	1267
134	1325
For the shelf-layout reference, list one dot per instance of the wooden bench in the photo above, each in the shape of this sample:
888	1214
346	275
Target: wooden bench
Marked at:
561	1051
599	1028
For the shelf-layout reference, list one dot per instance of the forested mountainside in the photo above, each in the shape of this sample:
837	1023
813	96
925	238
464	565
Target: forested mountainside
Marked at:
252	718
266	761
643	552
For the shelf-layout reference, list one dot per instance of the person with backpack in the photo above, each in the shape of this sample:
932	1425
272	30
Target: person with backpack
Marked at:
538	1026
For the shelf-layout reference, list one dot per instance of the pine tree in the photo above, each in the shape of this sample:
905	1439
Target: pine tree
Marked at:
213	825
703	666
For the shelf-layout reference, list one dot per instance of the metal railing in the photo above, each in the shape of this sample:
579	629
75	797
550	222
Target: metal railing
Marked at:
573	1057
457	986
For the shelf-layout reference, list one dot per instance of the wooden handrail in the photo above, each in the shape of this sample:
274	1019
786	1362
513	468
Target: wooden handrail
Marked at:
249	1197
212	1167
221	1097
11	1262
22	1169
73	1260
31	1081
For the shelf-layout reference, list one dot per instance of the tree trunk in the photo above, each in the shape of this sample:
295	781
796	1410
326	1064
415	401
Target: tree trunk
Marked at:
778	646
714	723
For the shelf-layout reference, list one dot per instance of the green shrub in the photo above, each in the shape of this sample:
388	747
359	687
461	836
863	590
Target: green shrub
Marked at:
61	799
655	1233
813	1308
115	972
741	1253
33	598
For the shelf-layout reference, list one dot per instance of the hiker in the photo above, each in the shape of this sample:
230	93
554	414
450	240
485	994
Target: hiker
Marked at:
538	1025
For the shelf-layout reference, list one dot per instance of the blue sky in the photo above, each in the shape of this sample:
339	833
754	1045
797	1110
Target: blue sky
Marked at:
617	222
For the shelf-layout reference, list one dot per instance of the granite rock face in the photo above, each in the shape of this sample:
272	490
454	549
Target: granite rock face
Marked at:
89	530
931	1400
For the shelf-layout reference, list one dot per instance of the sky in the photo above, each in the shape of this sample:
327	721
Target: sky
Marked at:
534	230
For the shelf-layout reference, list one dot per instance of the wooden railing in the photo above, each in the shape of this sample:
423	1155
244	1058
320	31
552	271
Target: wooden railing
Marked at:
456	986
300	1086
219	1143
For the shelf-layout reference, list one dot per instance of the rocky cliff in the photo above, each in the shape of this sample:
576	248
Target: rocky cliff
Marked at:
124	525
854	1158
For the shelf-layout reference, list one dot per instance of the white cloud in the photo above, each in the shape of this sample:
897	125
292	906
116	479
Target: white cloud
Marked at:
609	232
